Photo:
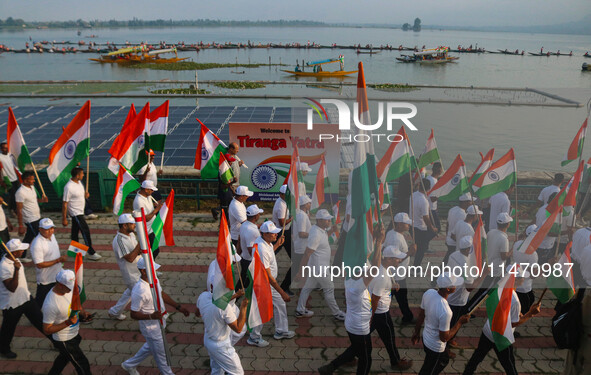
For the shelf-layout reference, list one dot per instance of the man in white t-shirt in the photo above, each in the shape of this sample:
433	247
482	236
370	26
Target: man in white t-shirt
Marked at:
237	212
5	227
465	227
436	171
424	228
9	168
454	216
499	203
581	241
301	231
127	253
525	291
144	199
45	252
15	299
142	309
282	219
546	249
317	259
63	325
498	251
249	232
544	197
150	172
436	315
487	342
28	212
73	203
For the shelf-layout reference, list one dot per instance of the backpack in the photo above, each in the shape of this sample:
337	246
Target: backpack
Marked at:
567	323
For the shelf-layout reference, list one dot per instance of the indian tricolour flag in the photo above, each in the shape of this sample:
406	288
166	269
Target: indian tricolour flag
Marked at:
576	147
125	185
128	148
533	241
77	248
478	253
484	165
223	283
499	177
292	195
117	143
334	236
79	294
69	149
225	171
498	310
322	182
567	196
16	144
452	183
258	292
207	156
395	163
430	154
563	287
158	127
162	224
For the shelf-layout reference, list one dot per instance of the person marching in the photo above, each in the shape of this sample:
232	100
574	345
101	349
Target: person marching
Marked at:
249	232
28	212
235	163
5	227
465	227
128	253
499	203
455	215
436	314
142	309
498	244
544	197
304	168
436	171
9	169
546	249
62	326
150	172
281	219
301	232
237	213
317	258
73	203
380	290
525	291
424	228
15	299
143	199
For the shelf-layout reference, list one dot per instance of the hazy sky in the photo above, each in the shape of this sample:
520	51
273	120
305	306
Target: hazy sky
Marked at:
440	12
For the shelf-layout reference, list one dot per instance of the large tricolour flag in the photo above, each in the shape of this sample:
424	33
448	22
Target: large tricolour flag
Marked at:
484	165
79	294
158	127
258	292
113	162
576	147
16	143
452	184
395	163
225	172
162	224
319	187
563	286
207	156
69	149
498	310
125	185
499	177
430	154
223	283
292	195
129	147
533	241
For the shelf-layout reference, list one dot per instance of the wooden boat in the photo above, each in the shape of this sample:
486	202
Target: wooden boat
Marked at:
407	59
437	55
359	52
317	69
505	52
539	54
587	55
136	55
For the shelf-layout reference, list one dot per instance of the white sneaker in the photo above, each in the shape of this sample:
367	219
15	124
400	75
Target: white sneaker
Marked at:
91	217
94	256
118	317
261	343
131	370
26	260
283	335
304	314
340	316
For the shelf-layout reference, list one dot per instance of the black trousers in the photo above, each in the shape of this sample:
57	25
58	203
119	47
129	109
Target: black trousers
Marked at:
383	324
79	225
434	363
457	312
402	298
526	300
361	348
287	246
11	193
243	274
152	237
436	220
422	238
42	290
5	237
32	231
506	357
450	251
70	352
11	317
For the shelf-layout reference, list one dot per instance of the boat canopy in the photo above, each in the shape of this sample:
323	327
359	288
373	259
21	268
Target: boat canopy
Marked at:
124	51
157	52
432	51
321	62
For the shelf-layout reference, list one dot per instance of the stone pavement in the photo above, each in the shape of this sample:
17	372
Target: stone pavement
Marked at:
109	342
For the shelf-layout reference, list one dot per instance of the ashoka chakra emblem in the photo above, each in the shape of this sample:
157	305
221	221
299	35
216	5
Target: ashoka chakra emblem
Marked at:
70	149
204	154
263	177
494	176
455	180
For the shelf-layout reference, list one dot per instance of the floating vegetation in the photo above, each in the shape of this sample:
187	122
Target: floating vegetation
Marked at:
181	91
190	65
393	87
240	85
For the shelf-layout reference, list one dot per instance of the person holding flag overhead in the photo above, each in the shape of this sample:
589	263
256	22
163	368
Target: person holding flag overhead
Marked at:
150	172
281	218
144	199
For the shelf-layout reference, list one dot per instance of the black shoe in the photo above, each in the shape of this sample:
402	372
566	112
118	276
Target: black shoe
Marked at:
289	292
214	213
326	369
9	355
406	322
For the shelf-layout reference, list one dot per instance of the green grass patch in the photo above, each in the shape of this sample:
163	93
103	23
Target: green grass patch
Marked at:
78	88
190	65
181	91
393	87
241	85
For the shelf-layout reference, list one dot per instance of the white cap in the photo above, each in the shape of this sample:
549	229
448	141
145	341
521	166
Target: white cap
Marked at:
269	227
304	167
393	252
243	190
283	189
473	210
126	219
16	245
304	199
530	229
465	197
149	184
447	280
402	217
67	278
323	215
253	210
465	242
46	223
504	218
141	264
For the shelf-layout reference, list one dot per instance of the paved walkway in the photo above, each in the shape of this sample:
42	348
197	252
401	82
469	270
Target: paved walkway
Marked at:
109	342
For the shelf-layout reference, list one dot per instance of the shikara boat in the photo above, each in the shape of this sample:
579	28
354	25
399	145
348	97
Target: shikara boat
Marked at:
317	70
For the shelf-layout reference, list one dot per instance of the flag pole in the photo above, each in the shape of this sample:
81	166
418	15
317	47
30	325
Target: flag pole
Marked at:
162	162
38	179
559	232
8	251
516	210
88	159
412	205
423	185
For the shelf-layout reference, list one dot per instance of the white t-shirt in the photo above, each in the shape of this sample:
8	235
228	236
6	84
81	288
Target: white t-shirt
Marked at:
237	215
381	286
498	203
497	243
318	241
547	192
419	207
358	312
215	320
462	229
3	224
454	216
8	167
249	232
141	301
581	239
460	296
74	194
432	205
302	224
152	173
44	250
437	318
280	211
122	245
548	241
394	238
56	310
267	255
585	262
147	204
28	197
514	316
21	295
522	257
